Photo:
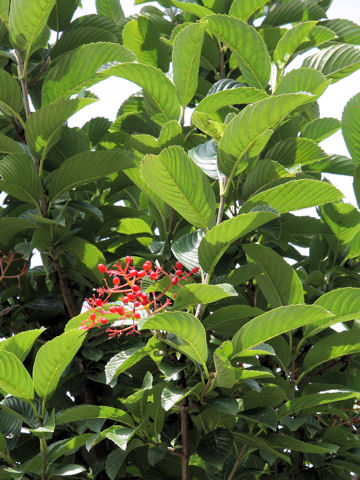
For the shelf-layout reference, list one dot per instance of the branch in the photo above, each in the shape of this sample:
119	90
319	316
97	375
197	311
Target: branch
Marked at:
237	462
185	439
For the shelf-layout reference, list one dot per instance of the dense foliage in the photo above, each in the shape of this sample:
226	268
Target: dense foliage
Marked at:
232	370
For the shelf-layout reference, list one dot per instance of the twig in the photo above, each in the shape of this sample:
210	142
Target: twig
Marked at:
185	439
237	462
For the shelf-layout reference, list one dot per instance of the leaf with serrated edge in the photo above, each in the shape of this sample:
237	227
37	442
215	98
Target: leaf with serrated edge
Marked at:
351	127
290	41
244	9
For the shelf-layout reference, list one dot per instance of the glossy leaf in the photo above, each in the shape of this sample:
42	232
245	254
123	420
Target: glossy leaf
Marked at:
14	378
290	42
82	68
243	9
156	85
294	11
190	334
233	96
52	359
199	293
218	239
247	46
294	195
87	167
88	412
279	283
181	184
275	322
21	343
246	128
186	51
351	127
205	157
185	249
43	126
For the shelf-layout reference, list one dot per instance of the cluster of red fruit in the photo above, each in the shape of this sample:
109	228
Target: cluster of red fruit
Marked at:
134	303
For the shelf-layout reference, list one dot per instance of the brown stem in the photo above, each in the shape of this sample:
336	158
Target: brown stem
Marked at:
237	462
222	61
69	299
185	439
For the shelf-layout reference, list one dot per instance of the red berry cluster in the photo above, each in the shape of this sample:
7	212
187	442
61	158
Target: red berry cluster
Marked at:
134	302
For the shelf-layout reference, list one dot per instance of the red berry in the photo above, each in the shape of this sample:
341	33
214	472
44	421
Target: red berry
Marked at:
133	273
145	301
142	274
137	304
104	321
102	268
128	259
147	265
113	309
178	265
178	273
92	316
116	281
135	288
195	270
120	310
137	316
153	276
174	281
125	299
98	302
131	297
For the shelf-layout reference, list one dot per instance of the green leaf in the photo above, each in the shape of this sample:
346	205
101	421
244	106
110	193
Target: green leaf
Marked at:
330	347
275	322
215	447
190	334
224	371
87	167
302	80
205	157
120	436
8	145
343	219
87	253
289	442
351	127
52	359
11	102
315	399
294	195
137	227
198	293
290	42
111	9
185	249
246	128
11	226
243	9
296	151
170	396
82	68
14	378
181	184
28	19
156	84
227	320
60	18
346	30
43	126
192	8
218	239
247	46
279	282
186	51
89	412
20	178
21	343
321	128
260	444
335	62
125	359
294	11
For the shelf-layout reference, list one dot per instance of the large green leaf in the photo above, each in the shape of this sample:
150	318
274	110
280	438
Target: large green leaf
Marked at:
87	167
296	151
335	62
302	80
205	157
289	442
8	145
315	399
89	412
87	253
332	346
224	371
14	378
111	9
192	8
247	46
27	20
294	195
21	343
11	226
198	293
343	219
351	127
321	128
227	320
190	334
279	283
346	30
294	11
52	359
260	443
186	247
290	42
43	126
181	184
11	101
20	178
218	239
240	95
243	9
156	84
250	125
82	68
275	322
186	51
